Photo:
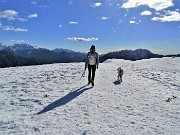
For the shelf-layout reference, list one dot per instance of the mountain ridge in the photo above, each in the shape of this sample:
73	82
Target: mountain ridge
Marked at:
133	55
36	54
25	54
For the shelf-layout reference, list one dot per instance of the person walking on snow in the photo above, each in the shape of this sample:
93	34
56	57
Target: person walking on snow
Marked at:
92	62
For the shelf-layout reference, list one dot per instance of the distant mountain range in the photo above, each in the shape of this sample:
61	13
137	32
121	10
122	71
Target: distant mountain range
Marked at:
9	59
25	54
133	55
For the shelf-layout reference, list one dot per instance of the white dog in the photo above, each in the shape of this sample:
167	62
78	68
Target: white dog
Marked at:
120	74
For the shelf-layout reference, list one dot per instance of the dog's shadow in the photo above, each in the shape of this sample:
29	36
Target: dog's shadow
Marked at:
117	82
64	100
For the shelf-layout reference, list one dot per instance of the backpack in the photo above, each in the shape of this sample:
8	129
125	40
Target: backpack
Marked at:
92	57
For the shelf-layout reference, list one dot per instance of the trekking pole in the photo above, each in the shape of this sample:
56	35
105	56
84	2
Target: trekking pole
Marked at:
83	74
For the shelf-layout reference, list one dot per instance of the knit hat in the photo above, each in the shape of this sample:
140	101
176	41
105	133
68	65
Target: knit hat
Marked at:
92	47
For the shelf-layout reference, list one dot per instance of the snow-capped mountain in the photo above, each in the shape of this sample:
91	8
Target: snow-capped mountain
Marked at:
8	58
138	54
37	55
45	56
59	50
2	46
22	47
52	100
73	54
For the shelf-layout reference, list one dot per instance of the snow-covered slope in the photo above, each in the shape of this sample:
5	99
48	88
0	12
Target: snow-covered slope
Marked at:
52	100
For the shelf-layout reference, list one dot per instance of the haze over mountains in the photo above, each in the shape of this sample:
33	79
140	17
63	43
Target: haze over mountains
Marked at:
25	54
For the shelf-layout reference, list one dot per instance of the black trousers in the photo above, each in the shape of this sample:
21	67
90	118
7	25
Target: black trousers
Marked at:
92	70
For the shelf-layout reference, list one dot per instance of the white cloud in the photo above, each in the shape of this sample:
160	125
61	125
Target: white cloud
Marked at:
37	4
34	2
98	4
104	18
158	13
11	28
171	16
133	22
81	39
73	22
33	16
146	13
156	4
21	19
60	26
18	41
11	15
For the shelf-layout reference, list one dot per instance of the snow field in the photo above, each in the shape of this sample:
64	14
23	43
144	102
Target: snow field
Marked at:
52	99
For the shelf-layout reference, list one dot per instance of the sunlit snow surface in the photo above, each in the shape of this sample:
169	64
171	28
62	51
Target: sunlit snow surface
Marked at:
53	100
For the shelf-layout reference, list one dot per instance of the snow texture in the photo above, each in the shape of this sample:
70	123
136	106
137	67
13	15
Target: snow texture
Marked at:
53	100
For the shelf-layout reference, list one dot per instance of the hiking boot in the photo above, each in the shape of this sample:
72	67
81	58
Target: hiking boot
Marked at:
92	82
89	83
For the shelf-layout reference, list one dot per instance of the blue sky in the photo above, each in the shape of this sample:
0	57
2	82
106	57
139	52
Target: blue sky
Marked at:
111	25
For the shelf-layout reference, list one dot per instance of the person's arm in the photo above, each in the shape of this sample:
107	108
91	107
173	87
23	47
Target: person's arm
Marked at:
97	63
86	62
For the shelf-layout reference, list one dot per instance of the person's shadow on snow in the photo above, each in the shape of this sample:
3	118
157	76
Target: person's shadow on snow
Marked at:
117	82
64	100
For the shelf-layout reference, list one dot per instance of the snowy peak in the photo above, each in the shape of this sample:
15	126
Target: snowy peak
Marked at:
60	50
142	51
133	55
2	46
136	52
22	47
